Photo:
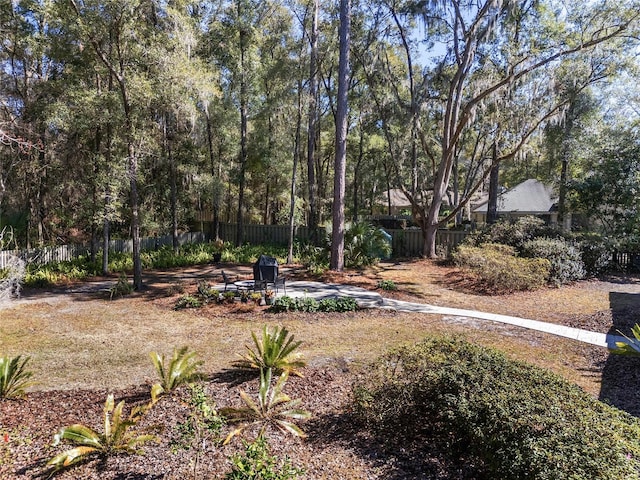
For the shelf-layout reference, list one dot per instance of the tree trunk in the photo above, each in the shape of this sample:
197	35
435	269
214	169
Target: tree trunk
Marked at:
215	194
492	206
296	154
243	130
313	127
337	237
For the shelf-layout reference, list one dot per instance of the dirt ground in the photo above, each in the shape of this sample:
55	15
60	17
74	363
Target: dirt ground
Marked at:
83	346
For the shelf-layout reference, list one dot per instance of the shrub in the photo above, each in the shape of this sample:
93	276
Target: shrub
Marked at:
202	427
121	288
497	267
311	256
517	420
116	438
596	254
338	304
187	301
206	291
258	464
272	408
304	304
513	233
273	351
181	369
13	376
364	244
565	260
11	276
388	285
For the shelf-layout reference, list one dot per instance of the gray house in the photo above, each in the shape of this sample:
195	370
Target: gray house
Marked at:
530	197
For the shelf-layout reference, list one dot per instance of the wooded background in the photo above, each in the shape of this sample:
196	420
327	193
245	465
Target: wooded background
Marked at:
141	115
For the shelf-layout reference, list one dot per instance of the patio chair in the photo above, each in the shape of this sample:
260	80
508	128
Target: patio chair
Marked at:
280	280
227	280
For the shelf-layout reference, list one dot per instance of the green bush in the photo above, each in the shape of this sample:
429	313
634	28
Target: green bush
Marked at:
566	262
514	233
305	304
258	464
388	285
499	269
187	301
311	256
364	244
518	421
596	253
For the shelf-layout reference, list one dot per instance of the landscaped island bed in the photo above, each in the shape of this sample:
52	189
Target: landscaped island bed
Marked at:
84	346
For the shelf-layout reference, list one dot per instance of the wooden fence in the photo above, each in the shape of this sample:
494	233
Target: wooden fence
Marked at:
405	243
61	253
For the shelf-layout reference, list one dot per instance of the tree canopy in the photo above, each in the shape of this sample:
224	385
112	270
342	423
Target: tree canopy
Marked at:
125	118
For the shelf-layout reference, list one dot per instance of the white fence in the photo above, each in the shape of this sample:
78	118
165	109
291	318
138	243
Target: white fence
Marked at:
61	253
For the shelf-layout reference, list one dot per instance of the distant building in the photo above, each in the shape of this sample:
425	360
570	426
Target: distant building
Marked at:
530	197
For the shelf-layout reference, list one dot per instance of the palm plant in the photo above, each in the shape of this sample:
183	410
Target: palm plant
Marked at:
632	345
13	376
273	351
116	438
273	407
364	244
181	369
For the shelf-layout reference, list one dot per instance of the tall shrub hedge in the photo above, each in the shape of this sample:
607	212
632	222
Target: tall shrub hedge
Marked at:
519	421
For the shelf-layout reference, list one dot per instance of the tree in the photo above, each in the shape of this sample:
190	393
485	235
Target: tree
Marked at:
608	194
116	32
337	237
500	69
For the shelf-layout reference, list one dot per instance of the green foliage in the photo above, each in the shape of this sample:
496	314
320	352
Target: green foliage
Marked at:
364	244
272	408
595	252
566	262
497	267
609	193
306	304
513	233
275	350
40	276
187	301
313	257
258	464
121	288
206	291
516	420
338	304
180	369
116	438
631	346
202	427
13	376
388	285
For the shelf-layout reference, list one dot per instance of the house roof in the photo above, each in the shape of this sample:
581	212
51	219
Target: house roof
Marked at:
397	198
530	196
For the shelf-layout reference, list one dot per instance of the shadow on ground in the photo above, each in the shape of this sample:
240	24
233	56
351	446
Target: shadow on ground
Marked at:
621	374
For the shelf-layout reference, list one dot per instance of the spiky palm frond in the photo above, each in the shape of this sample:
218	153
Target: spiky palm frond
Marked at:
13	376
273	407
181	369
117	437
273	351
632	345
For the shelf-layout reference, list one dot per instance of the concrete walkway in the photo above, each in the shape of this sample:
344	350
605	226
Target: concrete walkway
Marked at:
369	299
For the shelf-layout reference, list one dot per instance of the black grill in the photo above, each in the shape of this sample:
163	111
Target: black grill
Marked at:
266	268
